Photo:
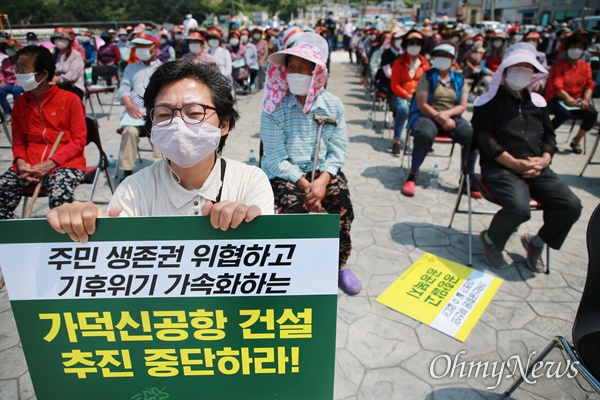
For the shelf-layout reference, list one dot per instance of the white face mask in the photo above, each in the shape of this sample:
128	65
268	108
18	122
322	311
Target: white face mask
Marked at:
518	78
257	36
195	48
143	54
372	38
478	44
27	81
518	38
497	43
441	63
183	144
469	42
234	42
31	43
188	16
397	43
454	39
413	50
163	41
177	36
299	84
575	54
244	39
213	43
61	44
123	38
10	52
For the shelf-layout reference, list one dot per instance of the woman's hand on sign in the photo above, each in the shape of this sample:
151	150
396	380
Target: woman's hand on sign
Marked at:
78	219
227	214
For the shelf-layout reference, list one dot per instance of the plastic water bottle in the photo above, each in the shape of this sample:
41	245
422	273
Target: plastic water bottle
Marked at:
252	158
435	174
112	163
370	120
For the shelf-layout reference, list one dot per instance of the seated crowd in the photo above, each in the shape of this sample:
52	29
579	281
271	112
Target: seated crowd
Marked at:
177	89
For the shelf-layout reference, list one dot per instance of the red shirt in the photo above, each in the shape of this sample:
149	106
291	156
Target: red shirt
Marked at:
35	127
573	79
400	82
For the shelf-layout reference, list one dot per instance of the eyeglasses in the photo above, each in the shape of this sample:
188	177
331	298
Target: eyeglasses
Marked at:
193	114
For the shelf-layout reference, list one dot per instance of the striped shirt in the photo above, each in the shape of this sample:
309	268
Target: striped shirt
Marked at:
289	138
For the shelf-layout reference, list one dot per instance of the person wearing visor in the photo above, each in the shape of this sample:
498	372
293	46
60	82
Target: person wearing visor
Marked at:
108	53
190	113
196	42
441	98
132	87
39	115
516	141
69	63
294	96
406	72
32	39
570	87
251	55
221	55
493	56
8	80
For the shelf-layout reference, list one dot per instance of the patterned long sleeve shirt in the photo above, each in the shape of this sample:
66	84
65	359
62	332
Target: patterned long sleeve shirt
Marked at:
289	137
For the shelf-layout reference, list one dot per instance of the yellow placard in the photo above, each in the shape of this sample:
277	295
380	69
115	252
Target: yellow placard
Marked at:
445	295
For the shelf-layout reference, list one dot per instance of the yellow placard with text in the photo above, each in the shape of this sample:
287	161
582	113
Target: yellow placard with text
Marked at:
443	294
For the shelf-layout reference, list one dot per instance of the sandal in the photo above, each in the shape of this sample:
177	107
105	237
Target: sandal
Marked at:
576	147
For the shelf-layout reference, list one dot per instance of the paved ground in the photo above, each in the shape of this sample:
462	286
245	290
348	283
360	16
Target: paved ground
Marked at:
382	354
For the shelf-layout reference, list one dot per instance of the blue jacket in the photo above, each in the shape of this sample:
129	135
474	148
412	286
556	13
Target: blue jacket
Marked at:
458	80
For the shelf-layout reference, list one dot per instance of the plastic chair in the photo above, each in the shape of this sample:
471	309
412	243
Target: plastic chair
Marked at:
585	351
92	173
107	72
476	180
439	139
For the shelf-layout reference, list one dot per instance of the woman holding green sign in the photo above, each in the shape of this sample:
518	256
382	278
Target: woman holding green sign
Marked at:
191	111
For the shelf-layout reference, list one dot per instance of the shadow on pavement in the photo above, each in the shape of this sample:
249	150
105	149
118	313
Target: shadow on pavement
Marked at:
465	393
376	141
453	244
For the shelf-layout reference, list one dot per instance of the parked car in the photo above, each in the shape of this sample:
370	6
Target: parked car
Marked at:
482	26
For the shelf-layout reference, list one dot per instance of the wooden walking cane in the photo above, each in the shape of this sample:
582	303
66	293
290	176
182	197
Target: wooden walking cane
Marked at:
38	187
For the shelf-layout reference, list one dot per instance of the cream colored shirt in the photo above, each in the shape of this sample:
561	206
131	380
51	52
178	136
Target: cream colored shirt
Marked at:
154	192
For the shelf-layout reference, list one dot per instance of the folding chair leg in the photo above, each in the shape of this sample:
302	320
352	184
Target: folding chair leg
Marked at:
547	260
459	197
592	153
555	342
470	219
112	102
99	102
95	181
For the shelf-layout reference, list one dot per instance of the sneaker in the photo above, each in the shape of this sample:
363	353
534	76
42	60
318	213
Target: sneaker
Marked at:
348	282
408	189
534	254
492	255
396	148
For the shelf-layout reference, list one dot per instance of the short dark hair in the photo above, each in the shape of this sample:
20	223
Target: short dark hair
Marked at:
42	59
208	74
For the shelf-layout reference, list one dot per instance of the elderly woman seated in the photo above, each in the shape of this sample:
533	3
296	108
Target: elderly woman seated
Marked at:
570	87
517	141
191	111
295	95
441	98
39	116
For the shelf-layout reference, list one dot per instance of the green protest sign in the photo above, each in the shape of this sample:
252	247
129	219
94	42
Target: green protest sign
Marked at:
171	308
